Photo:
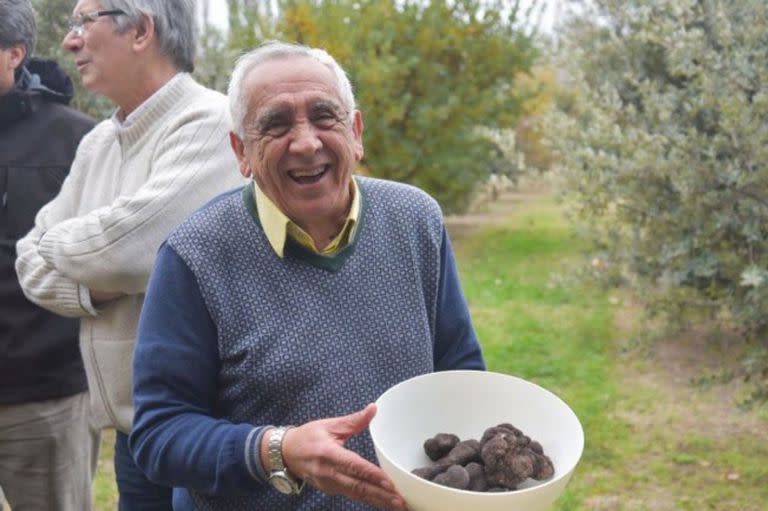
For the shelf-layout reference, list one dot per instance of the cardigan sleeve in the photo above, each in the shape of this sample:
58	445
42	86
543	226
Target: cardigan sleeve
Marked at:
456	345
42	283
176	438
113	248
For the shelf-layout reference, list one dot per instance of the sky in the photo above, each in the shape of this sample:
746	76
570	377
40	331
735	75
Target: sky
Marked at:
218	13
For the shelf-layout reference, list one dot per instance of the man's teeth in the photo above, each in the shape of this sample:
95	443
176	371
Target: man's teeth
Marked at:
308	172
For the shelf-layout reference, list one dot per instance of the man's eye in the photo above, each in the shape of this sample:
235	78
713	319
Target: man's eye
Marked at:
276	129
325	119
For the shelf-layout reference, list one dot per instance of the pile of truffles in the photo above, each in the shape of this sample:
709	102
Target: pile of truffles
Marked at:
502	459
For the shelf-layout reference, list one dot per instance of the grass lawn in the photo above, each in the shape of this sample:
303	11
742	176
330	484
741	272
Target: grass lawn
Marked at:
652	442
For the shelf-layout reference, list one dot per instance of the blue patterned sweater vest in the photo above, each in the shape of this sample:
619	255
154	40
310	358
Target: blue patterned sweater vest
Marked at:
303	338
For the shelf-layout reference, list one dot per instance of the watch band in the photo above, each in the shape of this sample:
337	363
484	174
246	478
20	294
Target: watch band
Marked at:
279	477
276	448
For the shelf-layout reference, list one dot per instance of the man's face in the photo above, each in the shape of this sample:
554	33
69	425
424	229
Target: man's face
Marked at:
10	59
300	145
102	57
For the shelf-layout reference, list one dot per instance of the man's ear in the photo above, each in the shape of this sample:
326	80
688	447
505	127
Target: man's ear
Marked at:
357	131
144	33
16	55
238	147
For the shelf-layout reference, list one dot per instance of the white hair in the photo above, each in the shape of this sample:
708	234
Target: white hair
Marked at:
175	26
270	50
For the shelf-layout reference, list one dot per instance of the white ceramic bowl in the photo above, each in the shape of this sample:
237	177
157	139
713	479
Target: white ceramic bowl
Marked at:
465	403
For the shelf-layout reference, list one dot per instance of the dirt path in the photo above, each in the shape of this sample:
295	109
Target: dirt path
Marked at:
488	211
697	373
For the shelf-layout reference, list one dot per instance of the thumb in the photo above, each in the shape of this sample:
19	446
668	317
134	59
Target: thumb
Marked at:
355	423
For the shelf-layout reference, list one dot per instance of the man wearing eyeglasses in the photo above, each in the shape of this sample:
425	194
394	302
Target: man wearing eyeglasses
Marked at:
163	153
296	300
47	449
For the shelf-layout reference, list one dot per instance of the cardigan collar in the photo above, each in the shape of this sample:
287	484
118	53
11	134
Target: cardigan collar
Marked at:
159	104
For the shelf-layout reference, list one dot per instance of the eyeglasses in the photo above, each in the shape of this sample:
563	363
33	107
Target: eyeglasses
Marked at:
77	22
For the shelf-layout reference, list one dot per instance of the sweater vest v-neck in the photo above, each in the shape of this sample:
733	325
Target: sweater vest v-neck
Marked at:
303	337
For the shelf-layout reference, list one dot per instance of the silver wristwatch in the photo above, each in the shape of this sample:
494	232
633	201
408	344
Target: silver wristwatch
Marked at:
279	477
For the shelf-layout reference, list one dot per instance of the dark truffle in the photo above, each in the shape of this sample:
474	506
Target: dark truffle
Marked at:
477	481
465	452
503	466
429	472
500	461
455	476
510	459
440	445
501	428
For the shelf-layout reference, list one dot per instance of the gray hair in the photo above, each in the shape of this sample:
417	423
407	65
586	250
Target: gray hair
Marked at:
175	26
17	25
270	50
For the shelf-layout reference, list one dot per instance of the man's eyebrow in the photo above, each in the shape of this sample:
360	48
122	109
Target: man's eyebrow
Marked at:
270	117
326	105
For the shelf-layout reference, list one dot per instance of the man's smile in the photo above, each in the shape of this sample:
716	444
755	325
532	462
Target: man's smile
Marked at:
309	176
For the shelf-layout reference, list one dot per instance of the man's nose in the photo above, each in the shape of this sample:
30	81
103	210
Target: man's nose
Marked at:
71	41
305	139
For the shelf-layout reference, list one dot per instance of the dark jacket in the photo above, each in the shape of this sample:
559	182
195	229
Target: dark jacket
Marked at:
39	353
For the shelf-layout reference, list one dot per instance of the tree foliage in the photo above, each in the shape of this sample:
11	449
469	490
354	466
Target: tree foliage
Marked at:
426	75
663	142
540	87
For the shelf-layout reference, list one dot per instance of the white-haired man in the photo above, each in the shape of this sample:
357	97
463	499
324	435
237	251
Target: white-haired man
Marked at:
296	300
161	155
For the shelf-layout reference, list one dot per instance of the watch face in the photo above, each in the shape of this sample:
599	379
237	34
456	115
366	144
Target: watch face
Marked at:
281	484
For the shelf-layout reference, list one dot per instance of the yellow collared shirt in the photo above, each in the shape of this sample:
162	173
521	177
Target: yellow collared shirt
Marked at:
278	227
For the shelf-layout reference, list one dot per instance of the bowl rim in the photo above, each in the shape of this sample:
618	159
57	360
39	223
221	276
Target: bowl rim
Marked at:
541	484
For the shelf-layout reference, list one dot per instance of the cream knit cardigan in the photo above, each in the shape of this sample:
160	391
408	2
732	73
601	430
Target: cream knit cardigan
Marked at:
127	188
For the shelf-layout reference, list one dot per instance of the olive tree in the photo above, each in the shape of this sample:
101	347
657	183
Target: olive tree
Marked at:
662	140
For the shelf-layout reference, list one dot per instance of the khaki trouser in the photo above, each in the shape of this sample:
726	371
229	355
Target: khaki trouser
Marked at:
48	454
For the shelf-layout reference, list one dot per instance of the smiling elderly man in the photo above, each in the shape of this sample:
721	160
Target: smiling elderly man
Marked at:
296	300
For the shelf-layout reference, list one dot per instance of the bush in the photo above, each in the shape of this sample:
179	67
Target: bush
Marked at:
663	143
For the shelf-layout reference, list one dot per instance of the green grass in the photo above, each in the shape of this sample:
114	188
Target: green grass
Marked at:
104	486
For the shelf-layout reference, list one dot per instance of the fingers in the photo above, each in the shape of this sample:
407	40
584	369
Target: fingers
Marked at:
315	452
352	465
355	423
382	495
354	477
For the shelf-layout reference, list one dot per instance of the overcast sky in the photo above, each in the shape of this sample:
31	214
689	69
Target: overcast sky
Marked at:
218	13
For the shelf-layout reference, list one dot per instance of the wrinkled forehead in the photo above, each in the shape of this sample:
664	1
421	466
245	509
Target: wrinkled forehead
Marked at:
290	80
